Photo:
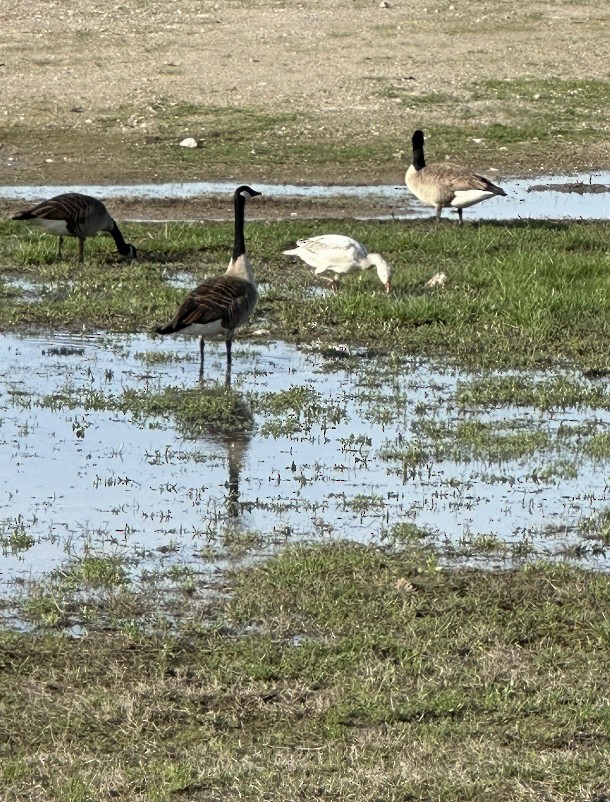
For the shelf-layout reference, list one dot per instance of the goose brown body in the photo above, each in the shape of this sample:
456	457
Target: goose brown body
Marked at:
444	184
220	303
73	214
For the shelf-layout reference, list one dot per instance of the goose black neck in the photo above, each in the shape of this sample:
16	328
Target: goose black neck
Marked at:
239	245
418	150
122	247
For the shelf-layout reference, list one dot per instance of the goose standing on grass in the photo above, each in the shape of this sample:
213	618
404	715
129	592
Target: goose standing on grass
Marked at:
221	303
444	184
74	215
340	255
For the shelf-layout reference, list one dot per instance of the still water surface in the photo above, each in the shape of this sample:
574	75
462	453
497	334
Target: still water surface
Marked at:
393	201
75	478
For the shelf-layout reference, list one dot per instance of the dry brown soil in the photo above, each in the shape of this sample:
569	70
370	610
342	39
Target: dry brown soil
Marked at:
69	66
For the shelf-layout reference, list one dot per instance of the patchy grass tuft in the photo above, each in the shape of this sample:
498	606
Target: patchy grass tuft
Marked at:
332	671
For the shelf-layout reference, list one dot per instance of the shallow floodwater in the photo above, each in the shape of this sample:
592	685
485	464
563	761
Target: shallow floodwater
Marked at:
77	479
522	201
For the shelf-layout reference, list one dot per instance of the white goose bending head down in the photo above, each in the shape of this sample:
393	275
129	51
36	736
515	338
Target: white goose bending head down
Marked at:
221	303
445	184
340	255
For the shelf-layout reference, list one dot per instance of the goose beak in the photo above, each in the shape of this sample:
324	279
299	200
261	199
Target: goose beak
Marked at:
387	287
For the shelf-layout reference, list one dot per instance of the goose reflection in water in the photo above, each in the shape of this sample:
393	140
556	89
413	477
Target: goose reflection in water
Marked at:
237	444
232	440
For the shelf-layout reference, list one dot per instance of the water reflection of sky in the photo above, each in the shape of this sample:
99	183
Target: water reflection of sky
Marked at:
399	203
72	477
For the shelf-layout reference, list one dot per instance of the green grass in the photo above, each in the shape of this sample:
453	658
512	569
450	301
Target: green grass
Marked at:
524	124
552	393
518	438
14	536
519	294
471	440
195	412
273	146
333	672
517	123
297	409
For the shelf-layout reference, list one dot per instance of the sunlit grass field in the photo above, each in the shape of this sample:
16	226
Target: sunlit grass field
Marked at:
520	294
517	126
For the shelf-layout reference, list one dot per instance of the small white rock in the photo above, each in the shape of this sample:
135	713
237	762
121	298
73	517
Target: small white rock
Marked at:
189	142
437	280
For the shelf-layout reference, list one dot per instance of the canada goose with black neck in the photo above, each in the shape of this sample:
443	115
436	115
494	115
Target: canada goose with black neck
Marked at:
221	303
72	214
445	184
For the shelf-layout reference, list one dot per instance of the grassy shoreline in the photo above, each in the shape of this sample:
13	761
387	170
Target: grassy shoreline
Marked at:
228	663
517	127
332	672
517	295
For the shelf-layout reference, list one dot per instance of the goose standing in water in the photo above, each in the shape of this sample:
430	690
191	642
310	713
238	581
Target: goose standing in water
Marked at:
340	255
74	215
444	184
221	303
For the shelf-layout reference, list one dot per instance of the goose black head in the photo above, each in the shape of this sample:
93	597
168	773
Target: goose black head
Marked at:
246	192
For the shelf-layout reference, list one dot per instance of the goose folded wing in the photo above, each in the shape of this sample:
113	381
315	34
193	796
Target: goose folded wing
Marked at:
53	209
221	298
461	179
480	182
337	244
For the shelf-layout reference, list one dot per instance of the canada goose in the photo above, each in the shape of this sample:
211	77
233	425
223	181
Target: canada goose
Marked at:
340	255
445	184
74	215
221	303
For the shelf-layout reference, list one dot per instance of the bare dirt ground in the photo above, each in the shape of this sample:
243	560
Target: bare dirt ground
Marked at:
70	69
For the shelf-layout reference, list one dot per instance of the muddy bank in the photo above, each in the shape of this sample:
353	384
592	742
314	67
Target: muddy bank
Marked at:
217	208
579	187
